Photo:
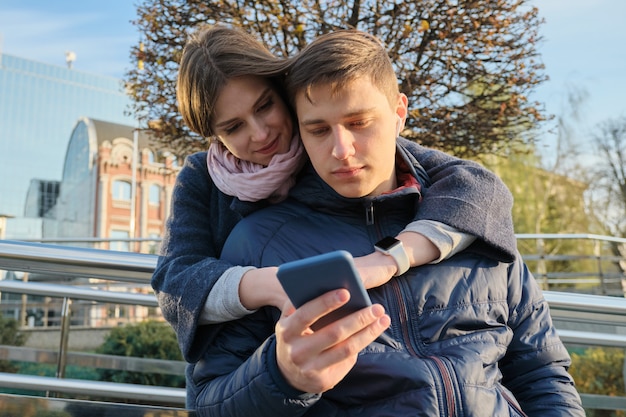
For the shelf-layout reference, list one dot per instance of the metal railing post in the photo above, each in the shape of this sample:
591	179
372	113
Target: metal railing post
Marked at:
597	252
65	330
541	264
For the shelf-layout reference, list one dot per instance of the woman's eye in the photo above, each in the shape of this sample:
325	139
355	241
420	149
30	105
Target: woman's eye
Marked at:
266	105
232	129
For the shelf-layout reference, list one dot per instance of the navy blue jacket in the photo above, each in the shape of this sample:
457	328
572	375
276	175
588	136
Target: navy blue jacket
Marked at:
462	194
470	336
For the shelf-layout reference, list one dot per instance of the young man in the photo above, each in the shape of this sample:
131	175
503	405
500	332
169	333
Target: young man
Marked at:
469	336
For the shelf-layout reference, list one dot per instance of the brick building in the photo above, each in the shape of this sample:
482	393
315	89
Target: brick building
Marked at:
102	196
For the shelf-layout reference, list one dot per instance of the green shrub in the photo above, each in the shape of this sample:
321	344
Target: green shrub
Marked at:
148	339
10	335
599	371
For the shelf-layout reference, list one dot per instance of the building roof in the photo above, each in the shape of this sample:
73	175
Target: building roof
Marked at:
107	131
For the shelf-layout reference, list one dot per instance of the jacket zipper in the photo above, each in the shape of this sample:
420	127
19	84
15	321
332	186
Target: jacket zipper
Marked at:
447	384
443	371
403	318
512	403
369	213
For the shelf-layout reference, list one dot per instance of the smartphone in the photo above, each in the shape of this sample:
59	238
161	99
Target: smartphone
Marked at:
308	278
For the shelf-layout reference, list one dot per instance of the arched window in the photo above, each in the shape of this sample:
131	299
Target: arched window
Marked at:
155	195
121	190
151	156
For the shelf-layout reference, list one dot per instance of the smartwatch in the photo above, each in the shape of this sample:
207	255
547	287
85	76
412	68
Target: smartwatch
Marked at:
391	246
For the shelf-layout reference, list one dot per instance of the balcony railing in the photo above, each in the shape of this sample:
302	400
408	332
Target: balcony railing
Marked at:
581	319
576	262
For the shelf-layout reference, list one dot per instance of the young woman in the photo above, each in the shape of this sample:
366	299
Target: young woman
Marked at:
230	90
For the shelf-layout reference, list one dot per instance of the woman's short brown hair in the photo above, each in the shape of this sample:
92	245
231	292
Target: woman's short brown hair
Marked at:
212	56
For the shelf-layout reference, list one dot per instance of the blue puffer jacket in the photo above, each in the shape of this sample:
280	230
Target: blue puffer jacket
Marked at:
470	336
462	194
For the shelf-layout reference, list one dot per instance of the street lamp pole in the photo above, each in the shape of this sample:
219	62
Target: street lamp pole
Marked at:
133	186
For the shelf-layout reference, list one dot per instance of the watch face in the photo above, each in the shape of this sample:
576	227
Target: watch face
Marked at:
387	242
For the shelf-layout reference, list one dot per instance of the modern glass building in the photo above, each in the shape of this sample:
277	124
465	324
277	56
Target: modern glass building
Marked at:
39	107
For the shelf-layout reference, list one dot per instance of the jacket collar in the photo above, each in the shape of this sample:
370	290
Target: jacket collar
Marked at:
314	192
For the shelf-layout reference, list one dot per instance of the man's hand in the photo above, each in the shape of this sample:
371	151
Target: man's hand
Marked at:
315	362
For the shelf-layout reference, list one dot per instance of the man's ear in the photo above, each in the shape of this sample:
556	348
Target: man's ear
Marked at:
402	111
402	106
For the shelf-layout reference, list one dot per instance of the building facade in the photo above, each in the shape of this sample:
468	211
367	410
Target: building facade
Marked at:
108	191
73	166
116	190
39	105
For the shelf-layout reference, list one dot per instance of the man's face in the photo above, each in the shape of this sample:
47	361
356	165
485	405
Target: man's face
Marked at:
350	136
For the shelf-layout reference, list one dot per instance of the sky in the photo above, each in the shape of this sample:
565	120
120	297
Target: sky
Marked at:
583	47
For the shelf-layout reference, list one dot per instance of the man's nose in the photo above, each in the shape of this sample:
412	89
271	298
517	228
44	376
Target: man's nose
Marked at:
343	146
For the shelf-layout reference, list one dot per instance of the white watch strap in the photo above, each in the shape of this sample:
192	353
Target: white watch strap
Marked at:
399	255
393	247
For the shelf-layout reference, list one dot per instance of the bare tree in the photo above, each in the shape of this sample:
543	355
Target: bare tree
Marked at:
467	67
610	181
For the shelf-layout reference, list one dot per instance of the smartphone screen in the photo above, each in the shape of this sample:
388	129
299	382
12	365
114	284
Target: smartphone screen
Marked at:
308	278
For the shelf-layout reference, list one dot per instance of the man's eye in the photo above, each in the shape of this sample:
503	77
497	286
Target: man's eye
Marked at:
317	132
360	123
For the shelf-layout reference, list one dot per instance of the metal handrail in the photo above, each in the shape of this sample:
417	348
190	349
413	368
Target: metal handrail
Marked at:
148	393
79	293
566	304
77	262
13	405
590	236
603	315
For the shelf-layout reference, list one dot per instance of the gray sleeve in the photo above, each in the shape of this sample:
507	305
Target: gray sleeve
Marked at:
446	238
223	303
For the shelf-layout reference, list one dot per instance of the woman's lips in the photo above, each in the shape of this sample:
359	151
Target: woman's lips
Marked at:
269	148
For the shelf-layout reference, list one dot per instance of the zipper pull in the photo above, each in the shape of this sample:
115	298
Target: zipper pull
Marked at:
369	214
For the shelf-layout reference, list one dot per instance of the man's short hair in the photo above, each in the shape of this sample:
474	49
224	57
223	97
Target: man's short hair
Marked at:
337	58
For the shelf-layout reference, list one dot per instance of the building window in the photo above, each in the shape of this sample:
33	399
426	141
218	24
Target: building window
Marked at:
151	157
155	242
155	195
121	190
120	240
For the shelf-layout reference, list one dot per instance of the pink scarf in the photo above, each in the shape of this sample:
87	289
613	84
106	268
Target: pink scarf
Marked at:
253	182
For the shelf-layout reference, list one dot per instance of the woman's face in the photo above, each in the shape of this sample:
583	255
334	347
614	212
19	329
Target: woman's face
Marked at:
252	120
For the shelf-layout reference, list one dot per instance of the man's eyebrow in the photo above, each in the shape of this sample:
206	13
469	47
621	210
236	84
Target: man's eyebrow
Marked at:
311	122
262	97
355	113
